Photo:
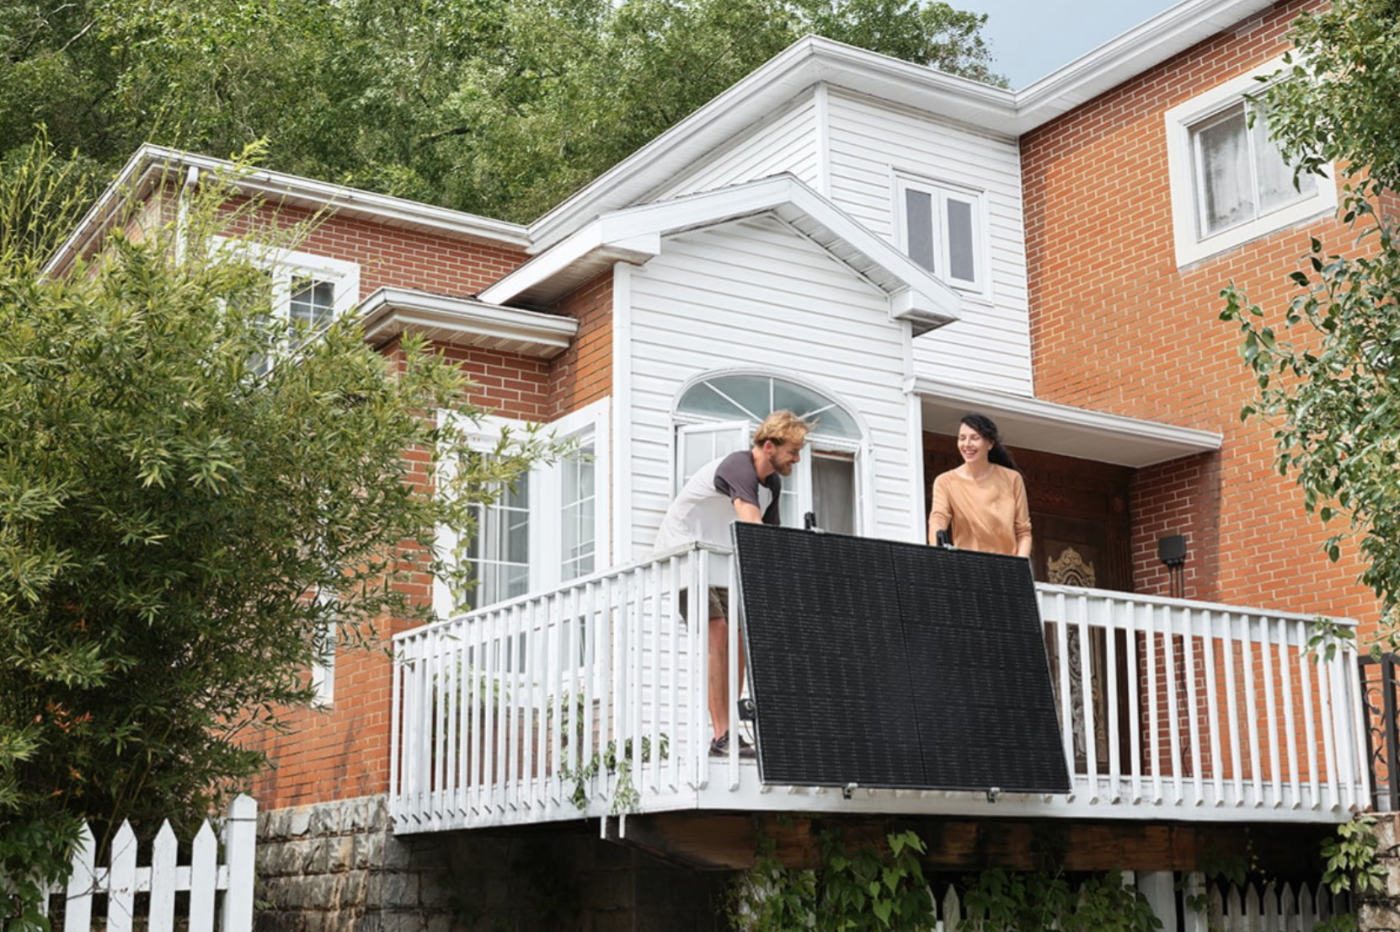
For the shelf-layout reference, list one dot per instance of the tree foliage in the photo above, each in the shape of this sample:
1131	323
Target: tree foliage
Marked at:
1327	374
493	106
196	499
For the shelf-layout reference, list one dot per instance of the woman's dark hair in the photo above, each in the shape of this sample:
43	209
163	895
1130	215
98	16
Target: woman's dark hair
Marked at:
987	428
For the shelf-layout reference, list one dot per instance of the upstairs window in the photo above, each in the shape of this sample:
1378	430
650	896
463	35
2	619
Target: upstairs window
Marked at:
306	289
1229	181
941	228
1240	175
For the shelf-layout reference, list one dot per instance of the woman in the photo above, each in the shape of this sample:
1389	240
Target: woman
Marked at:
983	501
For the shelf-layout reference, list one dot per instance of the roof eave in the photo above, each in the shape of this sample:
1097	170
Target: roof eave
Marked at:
388	312
151	162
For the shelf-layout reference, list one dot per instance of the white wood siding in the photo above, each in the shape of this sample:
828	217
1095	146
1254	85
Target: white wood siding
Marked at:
869	141
787	142
755	293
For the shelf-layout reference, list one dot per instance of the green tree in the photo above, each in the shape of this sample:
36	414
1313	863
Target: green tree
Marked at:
1328	377
196	498
502	108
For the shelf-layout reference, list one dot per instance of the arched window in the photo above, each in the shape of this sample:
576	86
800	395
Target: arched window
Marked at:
717	415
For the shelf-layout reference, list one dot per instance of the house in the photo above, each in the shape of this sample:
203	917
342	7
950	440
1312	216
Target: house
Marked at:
891	246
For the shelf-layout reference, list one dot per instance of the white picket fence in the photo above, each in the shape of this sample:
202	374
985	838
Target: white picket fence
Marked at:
1273	908
163	877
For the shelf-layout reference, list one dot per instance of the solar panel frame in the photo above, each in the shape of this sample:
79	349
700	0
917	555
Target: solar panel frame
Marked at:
891	698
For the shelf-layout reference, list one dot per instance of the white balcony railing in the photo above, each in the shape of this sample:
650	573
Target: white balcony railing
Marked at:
589	700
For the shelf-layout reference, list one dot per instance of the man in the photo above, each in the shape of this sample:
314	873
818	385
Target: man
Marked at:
743	486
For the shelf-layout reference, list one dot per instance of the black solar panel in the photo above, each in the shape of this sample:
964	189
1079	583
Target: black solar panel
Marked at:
895	665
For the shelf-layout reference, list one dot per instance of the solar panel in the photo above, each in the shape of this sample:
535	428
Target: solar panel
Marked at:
888	664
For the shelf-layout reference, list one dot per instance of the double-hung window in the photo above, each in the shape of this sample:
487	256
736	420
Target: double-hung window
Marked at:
942	228
307	289
1230	183
543	531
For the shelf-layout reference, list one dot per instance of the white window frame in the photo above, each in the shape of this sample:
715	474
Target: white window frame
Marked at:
940	190
323	668
1181	120
287	266
587	425
800	482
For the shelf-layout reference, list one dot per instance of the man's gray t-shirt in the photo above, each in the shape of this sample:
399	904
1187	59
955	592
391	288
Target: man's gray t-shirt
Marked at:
704	509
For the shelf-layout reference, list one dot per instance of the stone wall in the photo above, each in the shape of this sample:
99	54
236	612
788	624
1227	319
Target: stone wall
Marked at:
338	866
1382	913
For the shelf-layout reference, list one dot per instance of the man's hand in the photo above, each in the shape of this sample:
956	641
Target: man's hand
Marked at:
747	512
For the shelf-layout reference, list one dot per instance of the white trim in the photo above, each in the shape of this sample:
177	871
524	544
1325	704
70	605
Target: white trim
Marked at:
1130	53
939	190
287	264
771	372
635	234
387	312
1179	123
821	116
150	163
1032	423
622	410
914	437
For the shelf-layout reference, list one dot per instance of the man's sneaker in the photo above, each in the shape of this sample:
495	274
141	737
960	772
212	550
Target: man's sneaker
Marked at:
719	747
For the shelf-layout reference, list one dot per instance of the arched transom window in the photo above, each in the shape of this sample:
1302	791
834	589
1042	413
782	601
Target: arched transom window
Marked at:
717	415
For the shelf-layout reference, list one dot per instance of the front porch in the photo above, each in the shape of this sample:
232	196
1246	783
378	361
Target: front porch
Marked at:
588	701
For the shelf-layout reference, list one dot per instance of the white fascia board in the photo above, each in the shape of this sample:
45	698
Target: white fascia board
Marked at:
601	239
1059	428
800	67
1130	53
389	311
637	232
150	161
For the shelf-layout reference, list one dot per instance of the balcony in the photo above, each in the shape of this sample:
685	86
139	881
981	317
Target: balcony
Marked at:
589	701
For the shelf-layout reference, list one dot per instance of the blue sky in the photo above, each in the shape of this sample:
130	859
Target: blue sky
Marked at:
1031	38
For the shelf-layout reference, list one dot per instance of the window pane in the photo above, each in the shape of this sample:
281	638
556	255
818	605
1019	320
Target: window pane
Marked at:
834	493
787	503
576	515
1275	175
918	222
313	302
752	393
961	250
1224	173
499	548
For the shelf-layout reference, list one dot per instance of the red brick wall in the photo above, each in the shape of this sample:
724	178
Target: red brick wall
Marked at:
390	255
1116	326
582	374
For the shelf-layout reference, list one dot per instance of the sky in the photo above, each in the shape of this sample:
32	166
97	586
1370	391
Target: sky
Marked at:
1031	38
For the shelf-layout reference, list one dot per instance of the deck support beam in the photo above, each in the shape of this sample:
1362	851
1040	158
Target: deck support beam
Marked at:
730	841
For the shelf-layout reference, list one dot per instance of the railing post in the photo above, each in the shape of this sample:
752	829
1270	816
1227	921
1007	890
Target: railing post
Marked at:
700	644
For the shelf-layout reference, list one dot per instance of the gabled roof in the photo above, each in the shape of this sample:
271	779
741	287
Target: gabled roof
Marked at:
151	165
634	234
814	60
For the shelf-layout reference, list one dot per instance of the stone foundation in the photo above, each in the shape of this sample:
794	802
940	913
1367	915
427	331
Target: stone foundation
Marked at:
337	866
1381	913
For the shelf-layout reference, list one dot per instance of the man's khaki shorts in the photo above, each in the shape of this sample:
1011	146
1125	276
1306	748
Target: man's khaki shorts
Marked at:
719	603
